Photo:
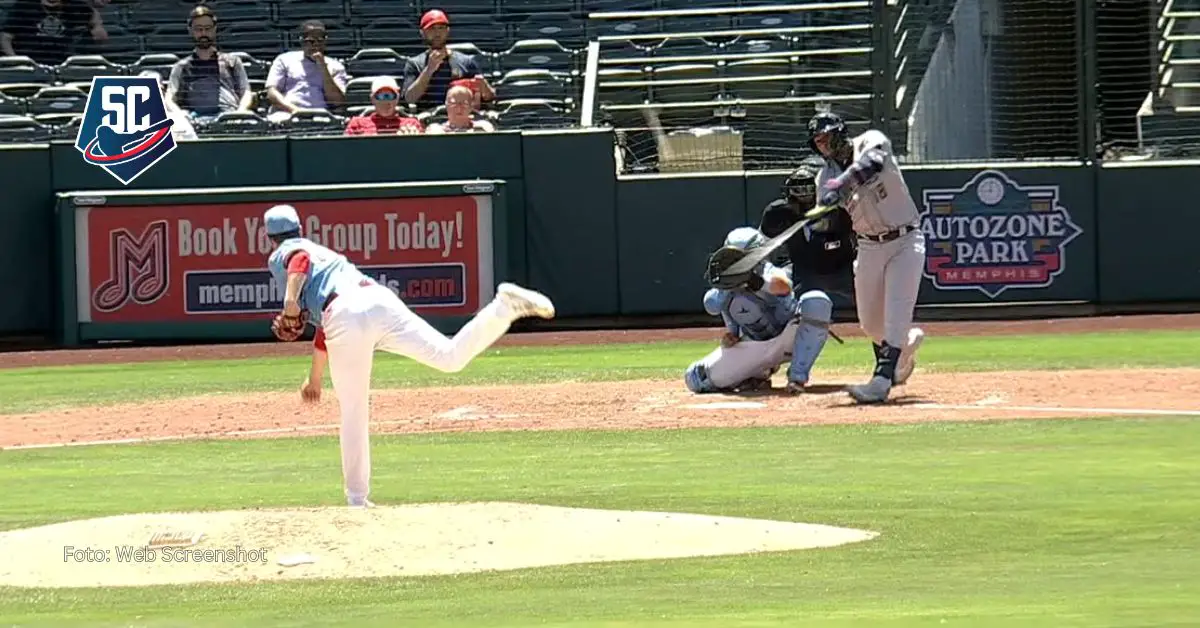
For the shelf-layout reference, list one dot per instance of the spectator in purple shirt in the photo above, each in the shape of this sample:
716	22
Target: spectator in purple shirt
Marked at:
306	78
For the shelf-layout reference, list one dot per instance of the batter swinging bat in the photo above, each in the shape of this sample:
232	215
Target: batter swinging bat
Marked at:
760	253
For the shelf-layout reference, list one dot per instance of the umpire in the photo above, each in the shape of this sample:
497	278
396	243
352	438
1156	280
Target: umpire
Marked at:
821	254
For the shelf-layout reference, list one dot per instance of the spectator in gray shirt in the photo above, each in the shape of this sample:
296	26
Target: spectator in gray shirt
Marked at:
208	82
306	78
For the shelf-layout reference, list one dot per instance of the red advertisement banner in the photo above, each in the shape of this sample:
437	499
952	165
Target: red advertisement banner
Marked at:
187	263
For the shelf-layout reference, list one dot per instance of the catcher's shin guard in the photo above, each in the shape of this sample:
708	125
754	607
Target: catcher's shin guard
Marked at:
816	313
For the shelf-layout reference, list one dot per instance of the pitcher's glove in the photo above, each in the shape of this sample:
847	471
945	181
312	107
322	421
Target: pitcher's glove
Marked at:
289	328
723	258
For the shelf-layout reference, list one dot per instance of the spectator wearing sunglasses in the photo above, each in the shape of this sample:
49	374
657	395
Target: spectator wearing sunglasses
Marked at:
385	118
306	78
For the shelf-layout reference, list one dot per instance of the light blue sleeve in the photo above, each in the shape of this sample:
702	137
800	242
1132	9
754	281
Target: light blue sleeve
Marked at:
714	301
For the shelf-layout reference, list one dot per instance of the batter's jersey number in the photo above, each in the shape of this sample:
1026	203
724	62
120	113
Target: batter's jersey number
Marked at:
122	105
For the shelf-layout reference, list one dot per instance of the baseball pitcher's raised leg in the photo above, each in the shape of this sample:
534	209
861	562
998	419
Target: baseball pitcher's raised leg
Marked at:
726	368
412	336
816	313
350	343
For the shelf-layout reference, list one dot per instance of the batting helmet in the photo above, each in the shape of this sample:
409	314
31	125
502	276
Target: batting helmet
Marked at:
827	122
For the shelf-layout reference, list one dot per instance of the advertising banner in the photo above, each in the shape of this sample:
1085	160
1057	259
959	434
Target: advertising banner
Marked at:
208	262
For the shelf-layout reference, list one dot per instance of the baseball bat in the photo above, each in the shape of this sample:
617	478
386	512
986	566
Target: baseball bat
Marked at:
757	255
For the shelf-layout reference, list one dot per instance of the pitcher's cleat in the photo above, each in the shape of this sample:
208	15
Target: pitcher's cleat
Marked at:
523	302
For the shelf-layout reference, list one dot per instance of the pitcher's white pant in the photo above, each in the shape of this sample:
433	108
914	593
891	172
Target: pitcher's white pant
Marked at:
727	367
364	319
887	278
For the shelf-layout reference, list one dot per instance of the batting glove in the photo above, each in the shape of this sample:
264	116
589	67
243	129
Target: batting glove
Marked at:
830	193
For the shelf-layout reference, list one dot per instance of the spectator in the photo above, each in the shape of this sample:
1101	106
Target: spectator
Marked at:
427	76
306	78
47	31
182	128
385	119
208	82
460	103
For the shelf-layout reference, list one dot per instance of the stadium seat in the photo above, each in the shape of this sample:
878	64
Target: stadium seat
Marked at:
83	67
358	91
376	62
747	71
612	86
591	6
16	129
624	28
254	40
563	28
616	50
486	34
149	16
256	68
545	54
455	9
11	105
61	125
759	45
793	19
57	99
24	70
236	123
514	7
534	113
20	91
391	32
686	47
363	12
291	13
175	39
312	122
707	87
122	46
539	84
161	62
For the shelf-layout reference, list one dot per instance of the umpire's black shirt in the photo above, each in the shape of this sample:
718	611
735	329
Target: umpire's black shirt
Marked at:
825	247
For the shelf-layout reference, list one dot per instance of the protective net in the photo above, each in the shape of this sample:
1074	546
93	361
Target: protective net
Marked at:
1168	119
981	85
729	88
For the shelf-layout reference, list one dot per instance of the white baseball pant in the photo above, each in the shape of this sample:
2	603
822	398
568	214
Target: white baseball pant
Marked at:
887	278
360	321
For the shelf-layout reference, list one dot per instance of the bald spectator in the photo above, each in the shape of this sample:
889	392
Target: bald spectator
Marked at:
460	105
427	76
385	118
306	78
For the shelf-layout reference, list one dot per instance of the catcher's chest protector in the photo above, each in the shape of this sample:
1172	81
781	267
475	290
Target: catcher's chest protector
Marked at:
758	317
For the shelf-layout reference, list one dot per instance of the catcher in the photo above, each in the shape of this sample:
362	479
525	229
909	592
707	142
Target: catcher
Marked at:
765	325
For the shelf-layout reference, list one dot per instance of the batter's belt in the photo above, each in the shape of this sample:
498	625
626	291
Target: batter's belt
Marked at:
889	235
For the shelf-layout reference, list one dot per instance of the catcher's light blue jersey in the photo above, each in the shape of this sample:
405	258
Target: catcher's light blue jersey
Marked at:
757	315
328	272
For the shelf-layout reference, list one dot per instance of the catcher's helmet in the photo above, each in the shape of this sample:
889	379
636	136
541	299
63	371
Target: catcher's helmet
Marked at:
745	238
827	122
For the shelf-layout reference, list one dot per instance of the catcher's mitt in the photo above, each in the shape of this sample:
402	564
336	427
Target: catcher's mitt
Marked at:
289	328
723	258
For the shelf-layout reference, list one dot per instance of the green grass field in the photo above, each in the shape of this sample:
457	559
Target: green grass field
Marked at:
1023	523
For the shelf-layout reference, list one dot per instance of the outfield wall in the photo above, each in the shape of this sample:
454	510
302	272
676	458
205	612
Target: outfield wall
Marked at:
601	246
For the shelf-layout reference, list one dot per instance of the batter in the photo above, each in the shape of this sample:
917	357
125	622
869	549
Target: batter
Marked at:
354	316
862	176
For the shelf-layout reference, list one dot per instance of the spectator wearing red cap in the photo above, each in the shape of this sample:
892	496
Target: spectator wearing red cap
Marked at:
385	119
427	76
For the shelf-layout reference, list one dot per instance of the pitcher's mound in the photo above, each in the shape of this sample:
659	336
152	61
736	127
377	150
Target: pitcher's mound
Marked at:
412	540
